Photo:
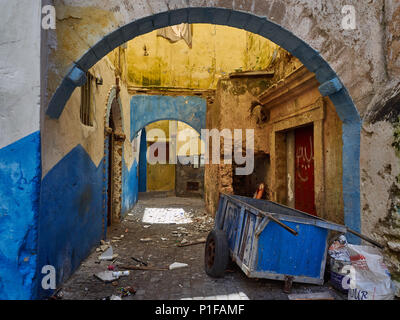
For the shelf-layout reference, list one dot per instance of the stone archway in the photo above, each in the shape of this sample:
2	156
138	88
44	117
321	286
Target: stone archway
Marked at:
330	84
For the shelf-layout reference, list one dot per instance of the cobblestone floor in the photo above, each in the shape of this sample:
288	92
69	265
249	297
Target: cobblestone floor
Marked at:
185	283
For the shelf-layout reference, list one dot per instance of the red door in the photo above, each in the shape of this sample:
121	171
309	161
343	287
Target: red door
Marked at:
304	170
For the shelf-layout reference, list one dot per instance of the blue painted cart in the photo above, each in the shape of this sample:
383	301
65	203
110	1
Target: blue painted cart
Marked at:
268	240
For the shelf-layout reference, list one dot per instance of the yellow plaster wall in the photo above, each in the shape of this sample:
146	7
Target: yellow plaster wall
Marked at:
216	51
160	177
190	133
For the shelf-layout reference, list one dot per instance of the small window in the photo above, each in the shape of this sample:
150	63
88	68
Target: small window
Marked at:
86	101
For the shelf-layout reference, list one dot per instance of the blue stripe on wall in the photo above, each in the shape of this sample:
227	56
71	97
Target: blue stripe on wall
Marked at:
143	162
130	186
71	218
20	173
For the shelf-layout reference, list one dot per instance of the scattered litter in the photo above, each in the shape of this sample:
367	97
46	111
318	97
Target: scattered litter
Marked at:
57	295
126	230
311	296
114	297
140	261
339	258
177	265
184	241
186	244
106	276
143	268
127	291
164	239
146	239
146	226
118	274
111	267
108	255
372	278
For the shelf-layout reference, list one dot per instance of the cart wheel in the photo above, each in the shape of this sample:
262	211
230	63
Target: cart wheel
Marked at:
216	256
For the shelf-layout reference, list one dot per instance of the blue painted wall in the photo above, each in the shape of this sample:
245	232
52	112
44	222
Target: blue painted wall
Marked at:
143	162
20	174
130	187
148	109
72	215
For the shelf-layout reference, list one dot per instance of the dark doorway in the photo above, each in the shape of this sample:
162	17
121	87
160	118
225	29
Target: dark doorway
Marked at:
247	185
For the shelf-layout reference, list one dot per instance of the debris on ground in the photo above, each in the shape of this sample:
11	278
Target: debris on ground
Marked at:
57	295
127	291
143	268
146	239
140	261
311	296
372	278
108	255
177	265
118	274
186	244
106	276
339	258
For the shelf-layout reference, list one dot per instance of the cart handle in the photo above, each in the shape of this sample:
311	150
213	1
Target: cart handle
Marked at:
278	222
375	243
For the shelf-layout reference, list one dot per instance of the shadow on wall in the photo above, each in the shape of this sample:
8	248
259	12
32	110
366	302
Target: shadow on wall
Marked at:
72	217
130	187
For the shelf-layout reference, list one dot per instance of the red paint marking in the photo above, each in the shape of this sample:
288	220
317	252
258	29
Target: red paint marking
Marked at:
304	170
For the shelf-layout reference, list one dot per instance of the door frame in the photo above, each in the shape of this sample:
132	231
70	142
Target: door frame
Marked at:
312	115
110	137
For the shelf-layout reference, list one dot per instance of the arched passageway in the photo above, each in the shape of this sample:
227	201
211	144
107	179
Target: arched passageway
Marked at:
330	84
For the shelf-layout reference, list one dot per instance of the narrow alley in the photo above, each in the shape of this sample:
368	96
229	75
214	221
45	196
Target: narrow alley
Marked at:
152	233
200	150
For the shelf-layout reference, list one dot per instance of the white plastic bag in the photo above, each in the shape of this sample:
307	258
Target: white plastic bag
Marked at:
371	278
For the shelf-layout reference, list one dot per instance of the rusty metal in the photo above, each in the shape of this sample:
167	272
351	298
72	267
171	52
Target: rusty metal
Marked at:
287	288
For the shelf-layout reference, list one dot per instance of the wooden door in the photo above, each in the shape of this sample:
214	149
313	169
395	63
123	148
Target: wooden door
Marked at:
304	170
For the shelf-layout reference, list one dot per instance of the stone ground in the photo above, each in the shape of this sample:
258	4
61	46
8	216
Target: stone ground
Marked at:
185	283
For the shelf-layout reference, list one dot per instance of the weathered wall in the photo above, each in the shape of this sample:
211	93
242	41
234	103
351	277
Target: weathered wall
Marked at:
149	111
189	179
19	146
216	51
75	168
365	59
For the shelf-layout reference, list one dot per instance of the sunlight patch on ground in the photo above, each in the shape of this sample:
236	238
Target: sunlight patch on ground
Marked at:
166	215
